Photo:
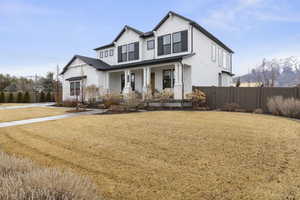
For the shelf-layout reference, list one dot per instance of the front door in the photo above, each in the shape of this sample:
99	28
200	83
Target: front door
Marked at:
153	82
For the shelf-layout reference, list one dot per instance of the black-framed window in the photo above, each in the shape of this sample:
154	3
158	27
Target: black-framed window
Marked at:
180	41
150	44
168	78
124	53
111	52
75	88
101	54
128	52
131	51
132	81
106	53
164	45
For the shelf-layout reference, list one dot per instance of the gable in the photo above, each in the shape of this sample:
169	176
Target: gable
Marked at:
76	62
128	36
170	24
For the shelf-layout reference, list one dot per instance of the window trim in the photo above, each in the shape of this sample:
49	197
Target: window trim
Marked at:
106	53
101	54
111	52
148	41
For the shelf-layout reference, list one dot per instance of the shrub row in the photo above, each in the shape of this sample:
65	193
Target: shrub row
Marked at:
289	107
21	97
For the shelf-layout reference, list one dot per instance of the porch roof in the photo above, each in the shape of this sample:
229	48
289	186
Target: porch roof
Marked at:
149	62
77	78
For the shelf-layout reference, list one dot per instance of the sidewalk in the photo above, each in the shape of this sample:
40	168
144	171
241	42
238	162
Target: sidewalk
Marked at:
43	119
26	106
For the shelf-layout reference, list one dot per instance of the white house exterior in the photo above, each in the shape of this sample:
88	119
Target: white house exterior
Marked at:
178	53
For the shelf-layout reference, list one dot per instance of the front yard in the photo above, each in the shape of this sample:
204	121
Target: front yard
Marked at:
170	155
29	113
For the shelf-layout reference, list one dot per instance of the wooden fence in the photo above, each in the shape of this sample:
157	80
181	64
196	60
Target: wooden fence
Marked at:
248	98
33	97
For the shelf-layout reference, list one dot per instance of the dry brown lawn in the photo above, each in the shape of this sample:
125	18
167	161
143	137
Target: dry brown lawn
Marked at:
12	104
170	155
29	113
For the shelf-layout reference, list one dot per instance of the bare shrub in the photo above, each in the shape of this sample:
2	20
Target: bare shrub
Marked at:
69	103
230	107
92	93
132	100
197	97
289	107
164	95
273	104
111	98
258	111
21	180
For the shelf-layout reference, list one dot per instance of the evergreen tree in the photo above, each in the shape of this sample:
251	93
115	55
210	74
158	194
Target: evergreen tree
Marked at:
42	97
20	97
2	97
49	97
11	98
26	97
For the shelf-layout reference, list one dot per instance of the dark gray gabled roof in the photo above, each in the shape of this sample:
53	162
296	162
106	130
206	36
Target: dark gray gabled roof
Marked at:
197	26
93	62
105	46
118	36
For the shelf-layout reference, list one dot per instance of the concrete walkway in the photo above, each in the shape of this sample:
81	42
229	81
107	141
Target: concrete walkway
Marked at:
26	106
43	119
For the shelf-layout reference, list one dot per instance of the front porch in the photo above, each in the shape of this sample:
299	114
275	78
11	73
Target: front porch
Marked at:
151	79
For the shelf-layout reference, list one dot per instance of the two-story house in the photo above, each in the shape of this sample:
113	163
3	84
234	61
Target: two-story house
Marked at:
178	53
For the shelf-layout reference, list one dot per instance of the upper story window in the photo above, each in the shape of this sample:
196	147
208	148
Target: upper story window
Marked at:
111	52
131	51
101	54
220	57
106	53
164	44
213	52
128	52
180	42
224	60
150	44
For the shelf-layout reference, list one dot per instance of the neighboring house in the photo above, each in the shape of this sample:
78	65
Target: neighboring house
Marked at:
178	53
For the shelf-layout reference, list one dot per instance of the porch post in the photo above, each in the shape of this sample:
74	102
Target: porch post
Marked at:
127	76
147	80
178	81
107	82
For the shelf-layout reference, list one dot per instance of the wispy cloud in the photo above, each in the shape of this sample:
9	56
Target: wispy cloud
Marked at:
238	15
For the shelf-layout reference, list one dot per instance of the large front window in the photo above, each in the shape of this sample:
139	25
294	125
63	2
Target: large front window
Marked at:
168	78
128	52
75	88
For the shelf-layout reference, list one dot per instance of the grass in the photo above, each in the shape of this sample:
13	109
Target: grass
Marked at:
170	155
29	113
12	104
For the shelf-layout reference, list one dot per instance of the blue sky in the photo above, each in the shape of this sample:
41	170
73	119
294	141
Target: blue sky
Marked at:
36	35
